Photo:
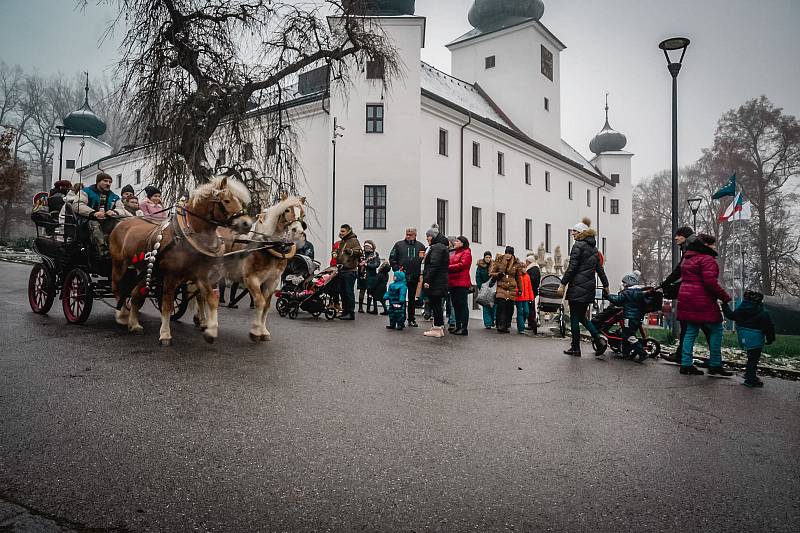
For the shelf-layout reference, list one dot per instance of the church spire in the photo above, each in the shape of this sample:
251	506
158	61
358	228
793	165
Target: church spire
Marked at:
608	140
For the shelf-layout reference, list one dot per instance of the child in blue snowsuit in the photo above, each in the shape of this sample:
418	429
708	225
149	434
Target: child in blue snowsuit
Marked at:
633	300
396	294
754	328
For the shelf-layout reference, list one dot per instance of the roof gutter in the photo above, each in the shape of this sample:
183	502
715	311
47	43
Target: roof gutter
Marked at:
461	178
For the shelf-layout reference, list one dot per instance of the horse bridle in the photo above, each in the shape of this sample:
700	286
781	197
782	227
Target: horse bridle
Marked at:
288	221
227	223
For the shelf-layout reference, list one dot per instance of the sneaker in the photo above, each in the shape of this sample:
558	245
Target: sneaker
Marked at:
573	352
691	370
436	332
719	371
600	345
754	384
462	332
390	327
350	316
413	324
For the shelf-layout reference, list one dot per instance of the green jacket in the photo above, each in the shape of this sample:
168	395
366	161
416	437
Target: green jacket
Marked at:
481	273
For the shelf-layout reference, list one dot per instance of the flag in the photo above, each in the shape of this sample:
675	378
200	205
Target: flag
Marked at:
732	210
728	190
746	212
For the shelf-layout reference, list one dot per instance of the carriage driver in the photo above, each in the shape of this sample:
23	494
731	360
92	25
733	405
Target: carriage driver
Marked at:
98	205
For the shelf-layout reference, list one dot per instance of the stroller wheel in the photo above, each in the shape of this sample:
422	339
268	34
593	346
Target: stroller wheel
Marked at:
294	311
330	313
282	306
652	348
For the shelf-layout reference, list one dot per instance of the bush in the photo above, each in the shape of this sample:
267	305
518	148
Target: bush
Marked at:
20	244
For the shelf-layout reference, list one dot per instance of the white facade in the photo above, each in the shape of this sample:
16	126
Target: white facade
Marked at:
405	158
78	151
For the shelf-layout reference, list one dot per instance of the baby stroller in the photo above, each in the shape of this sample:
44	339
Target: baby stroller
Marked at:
551	303
610	321
301	289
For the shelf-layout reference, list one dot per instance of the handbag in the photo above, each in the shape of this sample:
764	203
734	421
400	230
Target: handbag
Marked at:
671	290
487	293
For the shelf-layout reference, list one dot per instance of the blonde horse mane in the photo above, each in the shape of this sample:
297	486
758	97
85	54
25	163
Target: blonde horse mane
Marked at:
268	219
236	188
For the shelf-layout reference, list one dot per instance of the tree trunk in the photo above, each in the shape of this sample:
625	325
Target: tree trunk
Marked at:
7	205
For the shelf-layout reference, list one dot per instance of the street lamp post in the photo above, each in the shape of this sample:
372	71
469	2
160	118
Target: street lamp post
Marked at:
336	134
61	136
694	205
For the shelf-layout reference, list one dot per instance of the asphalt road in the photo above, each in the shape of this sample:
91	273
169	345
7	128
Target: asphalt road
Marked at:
335	426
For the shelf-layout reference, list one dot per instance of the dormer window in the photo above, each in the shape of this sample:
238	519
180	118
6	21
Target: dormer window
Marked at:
374	70
490	62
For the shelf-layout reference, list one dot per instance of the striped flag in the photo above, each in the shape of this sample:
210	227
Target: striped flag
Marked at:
733	210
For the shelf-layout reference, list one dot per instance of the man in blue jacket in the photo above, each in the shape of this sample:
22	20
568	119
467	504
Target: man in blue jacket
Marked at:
101	208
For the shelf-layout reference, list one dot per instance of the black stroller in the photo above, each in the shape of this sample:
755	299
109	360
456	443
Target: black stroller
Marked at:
302	289
610	321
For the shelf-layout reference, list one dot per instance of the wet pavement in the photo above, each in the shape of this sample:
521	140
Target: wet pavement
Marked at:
347	426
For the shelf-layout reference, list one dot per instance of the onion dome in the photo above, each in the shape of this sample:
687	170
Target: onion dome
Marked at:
84	121
382	7
608	140
490	15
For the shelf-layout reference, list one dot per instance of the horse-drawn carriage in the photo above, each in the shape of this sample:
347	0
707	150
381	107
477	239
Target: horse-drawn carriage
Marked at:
73	271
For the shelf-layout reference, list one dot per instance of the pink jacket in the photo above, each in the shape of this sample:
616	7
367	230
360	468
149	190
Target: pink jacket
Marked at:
700	290
460	263
151	209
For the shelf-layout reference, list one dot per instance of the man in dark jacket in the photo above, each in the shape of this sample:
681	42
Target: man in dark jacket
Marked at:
406	255
584	265
435	280
348	257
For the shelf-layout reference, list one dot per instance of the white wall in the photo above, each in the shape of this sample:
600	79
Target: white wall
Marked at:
618	229
82	150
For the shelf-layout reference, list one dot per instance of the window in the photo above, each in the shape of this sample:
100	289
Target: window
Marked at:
476	154
569	190
528	234
588	198
501	229
547	63
272	147
374	206
247	151
527	173
614	178
614	207
604	246
490	62
374	70
547	235
604	204
119	181
546	104
137	176
70	163
220	157
476	224
374	118
501	163
443	141
441	215
547	181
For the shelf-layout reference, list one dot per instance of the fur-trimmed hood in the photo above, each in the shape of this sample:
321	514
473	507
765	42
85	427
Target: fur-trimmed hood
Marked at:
483	264
582	236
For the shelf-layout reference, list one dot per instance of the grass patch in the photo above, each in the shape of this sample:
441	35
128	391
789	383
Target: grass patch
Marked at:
784	345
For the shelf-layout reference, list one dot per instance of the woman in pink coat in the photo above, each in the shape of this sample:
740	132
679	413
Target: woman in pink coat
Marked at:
459	283
152	207
697	304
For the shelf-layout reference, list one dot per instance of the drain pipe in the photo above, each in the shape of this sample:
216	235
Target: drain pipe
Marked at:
461	179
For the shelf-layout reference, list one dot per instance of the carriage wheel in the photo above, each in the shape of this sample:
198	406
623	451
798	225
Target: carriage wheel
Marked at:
77	296
652	347
179	305
41	289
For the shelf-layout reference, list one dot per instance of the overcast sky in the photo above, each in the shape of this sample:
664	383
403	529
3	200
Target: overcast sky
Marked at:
740	49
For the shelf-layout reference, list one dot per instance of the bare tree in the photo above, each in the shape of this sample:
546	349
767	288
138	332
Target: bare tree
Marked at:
190	67
12	179
10	82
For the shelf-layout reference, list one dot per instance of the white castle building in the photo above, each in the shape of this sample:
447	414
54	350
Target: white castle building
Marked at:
478	151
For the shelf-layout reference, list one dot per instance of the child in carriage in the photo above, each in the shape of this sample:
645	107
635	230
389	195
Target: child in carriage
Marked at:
634	302
396	294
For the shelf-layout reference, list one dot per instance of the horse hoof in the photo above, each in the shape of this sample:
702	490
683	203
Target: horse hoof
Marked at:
254	338
265	338
209	339
136	330
166	342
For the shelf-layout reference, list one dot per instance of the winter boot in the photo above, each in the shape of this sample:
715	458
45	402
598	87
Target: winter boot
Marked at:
691	370
719	371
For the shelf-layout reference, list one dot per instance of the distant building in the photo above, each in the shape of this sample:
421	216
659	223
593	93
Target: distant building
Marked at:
478	151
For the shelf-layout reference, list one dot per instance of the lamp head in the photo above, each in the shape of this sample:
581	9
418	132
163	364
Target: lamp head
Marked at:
694	204
672	46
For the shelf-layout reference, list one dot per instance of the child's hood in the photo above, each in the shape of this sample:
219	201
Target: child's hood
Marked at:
399	277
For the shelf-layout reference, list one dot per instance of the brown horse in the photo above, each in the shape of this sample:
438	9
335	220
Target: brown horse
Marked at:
184	249
259	264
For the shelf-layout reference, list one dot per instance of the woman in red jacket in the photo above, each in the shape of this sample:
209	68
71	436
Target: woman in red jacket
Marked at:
459	283
697	304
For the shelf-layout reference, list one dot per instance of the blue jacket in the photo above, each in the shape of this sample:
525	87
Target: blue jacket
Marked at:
94	198
633	300
753	324
398	290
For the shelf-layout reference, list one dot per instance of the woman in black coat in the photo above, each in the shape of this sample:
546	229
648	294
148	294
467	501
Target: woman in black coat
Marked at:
584	265
435	281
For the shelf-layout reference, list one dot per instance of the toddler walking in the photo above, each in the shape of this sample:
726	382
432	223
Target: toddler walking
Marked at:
754	328
396	294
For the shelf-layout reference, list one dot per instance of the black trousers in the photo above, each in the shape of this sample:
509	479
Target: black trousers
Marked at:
347	290
753	357
505	310
436	310
460	296
411	307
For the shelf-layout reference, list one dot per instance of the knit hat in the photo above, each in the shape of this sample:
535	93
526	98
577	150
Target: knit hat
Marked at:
530	259
150	191
685	232
128	188
62	184
583	225
369	243
433	231
630	279
103	176
509	250
487	252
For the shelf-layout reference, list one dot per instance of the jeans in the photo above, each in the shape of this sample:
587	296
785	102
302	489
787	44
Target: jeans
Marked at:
436	310
489	314
577	318
411	307
505	308
460	299
347	289
523	308
714	343
451	317
703	327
